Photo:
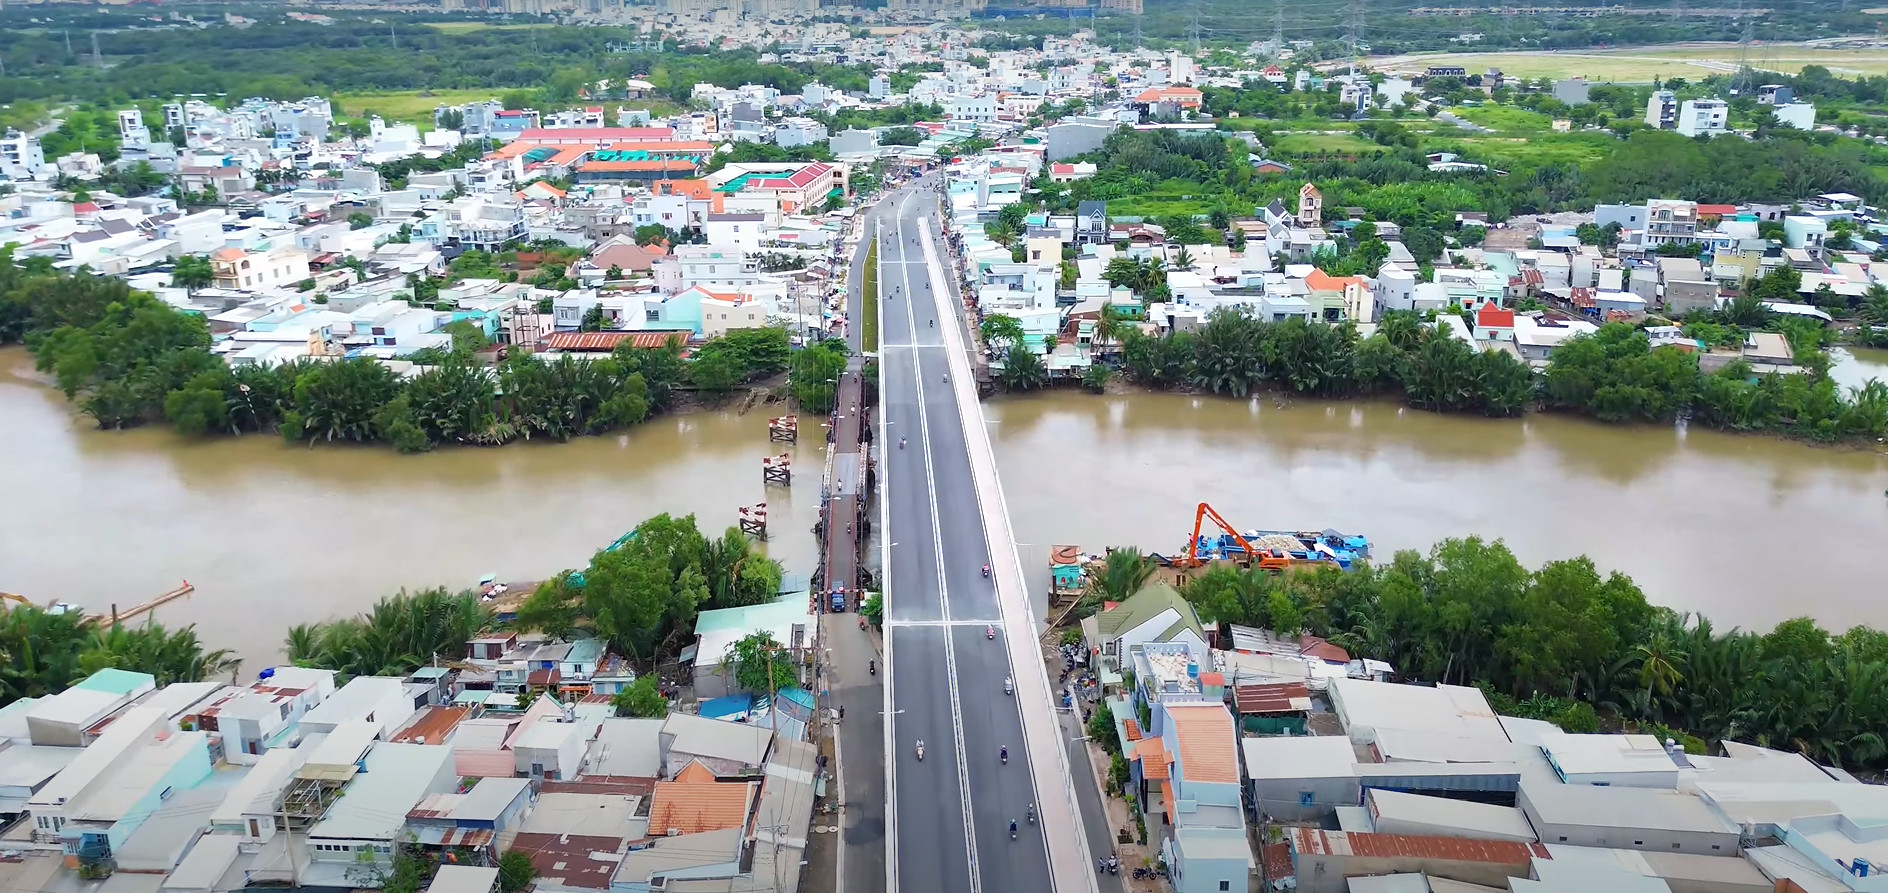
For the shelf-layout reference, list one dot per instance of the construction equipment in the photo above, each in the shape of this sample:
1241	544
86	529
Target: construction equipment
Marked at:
53	607
1229	544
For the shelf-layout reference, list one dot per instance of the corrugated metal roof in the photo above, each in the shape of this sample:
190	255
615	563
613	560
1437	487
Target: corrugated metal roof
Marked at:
1315	842
1283	697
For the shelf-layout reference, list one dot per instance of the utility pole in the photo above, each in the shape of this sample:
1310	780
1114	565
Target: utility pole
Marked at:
98	58
1137	31
1278	27
68	35
1741	84
1194	29
1353	26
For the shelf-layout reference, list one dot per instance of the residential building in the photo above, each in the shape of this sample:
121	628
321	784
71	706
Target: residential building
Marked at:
1670	221
1310	207
62	720
1155	614
249	811
381	701
1684	287
1799	115
259	270
1206	847
112	786
1661	111
1326	861
245	720
788	188
787	619
1703	117
20	156
1091	223
368	819
1805	232
1301	778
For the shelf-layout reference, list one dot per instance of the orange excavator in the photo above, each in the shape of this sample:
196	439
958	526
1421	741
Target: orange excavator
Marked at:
1230	544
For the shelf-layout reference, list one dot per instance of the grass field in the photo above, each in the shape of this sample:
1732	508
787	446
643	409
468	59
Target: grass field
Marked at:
1641	66
1317	143
1505	118
412	106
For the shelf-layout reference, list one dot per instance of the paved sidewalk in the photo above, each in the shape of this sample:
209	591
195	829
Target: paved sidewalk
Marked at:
860	751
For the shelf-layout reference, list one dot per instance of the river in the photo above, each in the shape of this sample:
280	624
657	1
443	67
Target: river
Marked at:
274	534
1749	529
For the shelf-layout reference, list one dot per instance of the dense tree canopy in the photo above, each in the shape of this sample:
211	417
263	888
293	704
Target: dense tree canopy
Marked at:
42	652
1469	612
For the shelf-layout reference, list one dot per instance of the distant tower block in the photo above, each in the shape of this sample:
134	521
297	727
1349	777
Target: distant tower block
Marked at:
784	429
754	520
777	469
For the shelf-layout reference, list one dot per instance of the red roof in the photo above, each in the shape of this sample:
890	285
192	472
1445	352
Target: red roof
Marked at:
1274	698
1315	647
797	180
84	208
604	342
1061	168
1493	317
1716	210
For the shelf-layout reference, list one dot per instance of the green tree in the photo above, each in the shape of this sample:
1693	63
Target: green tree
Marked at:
593	320
360	220
1022	370
191	272
761	664
641	699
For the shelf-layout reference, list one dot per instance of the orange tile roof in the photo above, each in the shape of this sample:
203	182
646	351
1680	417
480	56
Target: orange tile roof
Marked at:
1133	728
1206	742
606	341
1152	752
432	726
511	150
690	188
695	773
681	807
1322	281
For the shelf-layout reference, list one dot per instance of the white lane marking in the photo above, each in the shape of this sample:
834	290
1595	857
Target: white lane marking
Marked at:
950	648
989	623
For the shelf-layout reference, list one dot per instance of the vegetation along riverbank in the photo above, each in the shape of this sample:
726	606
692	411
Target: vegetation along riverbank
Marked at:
1566	644
1615	375
125	358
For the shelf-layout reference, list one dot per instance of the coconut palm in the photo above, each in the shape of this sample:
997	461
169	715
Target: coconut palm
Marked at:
1122	574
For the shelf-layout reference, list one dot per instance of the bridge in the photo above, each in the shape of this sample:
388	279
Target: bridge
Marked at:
952	635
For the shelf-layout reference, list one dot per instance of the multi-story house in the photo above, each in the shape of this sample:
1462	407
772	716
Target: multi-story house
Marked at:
20	156
245	720
1703	117
1661	111
277	267
1670	221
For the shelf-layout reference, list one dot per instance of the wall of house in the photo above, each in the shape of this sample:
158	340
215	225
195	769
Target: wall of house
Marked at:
186	774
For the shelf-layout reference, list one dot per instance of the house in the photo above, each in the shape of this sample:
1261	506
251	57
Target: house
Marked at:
697	801
1179	97
1204	824
726	749
473	820
1157	613
1335	298
1310	207
61	720
787	619
259	270
368	820
1702	117
1091	223
1069	173
248	813
379	700
248	719
553	747
1493	324
1684	287
1301	778
107	792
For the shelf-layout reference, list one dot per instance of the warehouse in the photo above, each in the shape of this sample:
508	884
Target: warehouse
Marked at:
1626	818
1393	812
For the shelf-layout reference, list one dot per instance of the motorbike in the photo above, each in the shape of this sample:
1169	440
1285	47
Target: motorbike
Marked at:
921	751
986	571
1032	813
901	443
871	666
1005	754
1012	829
1009	686
989	632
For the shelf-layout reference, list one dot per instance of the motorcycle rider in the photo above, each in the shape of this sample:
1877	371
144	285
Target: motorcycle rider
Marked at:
1032	813
1012	829
920	748
1004	752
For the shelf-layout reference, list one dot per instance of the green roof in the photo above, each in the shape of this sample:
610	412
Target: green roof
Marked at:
1153	598
116	681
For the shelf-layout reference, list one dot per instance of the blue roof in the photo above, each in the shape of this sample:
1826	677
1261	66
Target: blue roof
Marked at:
732	706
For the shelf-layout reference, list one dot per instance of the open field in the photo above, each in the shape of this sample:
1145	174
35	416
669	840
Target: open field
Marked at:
1504	118
1642	65
409	106
1317	143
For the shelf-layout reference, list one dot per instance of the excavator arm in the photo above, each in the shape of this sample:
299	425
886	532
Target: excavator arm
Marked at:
1190	557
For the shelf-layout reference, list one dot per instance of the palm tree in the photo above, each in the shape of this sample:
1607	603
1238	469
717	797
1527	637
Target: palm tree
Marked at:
1022	371
1660	664
1874	309
1122	574
1183	260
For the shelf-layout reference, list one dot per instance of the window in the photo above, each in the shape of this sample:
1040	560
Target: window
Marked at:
1638	843
1563	839
1675	846
1716	847
1225	885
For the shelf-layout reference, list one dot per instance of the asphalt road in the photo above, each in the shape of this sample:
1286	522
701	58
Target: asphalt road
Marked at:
951	811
